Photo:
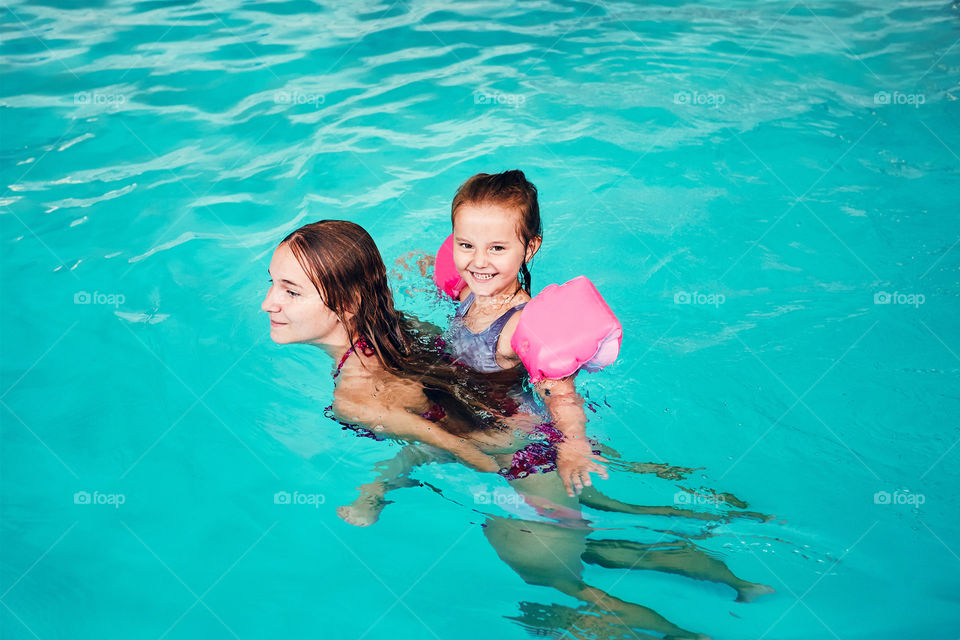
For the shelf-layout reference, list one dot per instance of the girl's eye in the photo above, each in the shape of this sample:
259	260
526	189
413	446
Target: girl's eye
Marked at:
464	245
498	248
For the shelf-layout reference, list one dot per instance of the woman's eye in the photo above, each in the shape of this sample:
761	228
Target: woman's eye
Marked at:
293	293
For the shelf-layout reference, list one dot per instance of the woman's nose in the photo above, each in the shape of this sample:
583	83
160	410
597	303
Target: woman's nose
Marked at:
268	303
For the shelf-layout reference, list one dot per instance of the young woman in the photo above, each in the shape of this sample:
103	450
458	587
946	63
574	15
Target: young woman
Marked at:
329	289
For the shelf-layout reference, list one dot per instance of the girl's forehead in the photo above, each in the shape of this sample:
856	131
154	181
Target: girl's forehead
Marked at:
486	218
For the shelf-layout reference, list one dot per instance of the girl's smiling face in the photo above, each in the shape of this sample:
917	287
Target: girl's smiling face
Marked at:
487	249
297	311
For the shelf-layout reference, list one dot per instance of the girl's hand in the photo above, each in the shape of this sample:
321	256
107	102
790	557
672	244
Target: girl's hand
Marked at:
575	462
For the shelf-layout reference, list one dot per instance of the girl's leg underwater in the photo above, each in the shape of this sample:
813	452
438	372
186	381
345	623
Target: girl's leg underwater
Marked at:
591	497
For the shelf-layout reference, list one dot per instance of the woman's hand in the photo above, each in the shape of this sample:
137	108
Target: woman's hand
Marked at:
424	262
575	462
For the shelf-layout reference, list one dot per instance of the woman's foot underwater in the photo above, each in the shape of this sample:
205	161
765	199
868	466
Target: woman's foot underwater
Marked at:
753	591
363	511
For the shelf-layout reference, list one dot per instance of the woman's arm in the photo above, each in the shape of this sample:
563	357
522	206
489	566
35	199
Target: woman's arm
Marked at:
575	458
401	423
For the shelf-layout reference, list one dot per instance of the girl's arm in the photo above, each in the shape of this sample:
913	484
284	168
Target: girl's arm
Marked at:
575	458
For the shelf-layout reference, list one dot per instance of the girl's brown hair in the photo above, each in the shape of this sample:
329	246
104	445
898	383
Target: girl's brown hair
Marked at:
509	189
344	265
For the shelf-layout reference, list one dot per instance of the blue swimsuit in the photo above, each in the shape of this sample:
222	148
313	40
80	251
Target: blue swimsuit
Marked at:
477	350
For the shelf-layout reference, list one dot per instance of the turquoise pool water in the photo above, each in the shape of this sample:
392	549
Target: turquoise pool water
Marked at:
762	192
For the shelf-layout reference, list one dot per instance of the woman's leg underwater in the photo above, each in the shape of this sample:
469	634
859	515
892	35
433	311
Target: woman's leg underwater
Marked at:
679	557
548	554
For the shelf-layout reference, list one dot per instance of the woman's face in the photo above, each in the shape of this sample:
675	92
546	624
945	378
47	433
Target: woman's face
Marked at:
297	312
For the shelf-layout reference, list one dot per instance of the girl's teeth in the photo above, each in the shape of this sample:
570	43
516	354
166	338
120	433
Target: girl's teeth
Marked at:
482	276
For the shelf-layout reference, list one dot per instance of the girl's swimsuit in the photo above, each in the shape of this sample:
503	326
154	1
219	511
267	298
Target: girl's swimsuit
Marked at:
477	351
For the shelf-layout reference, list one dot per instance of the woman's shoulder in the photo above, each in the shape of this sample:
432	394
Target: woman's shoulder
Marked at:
373	391
355	377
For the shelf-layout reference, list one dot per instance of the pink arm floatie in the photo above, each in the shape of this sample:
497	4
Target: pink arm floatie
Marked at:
565	328
445	273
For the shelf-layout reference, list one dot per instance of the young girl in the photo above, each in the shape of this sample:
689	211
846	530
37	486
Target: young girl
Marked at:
496	232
